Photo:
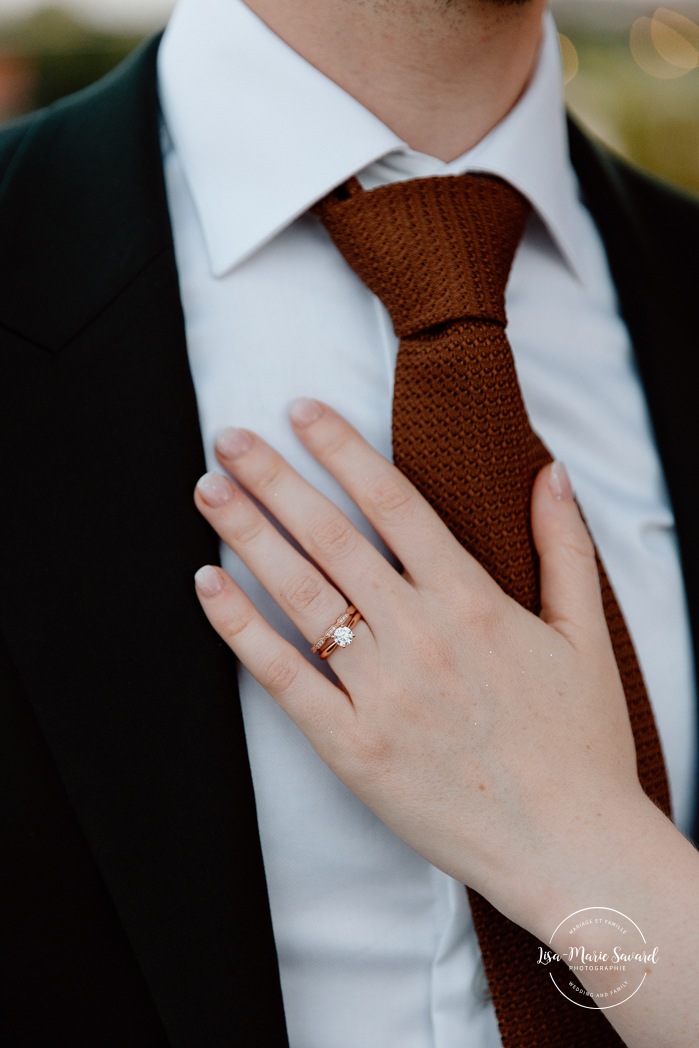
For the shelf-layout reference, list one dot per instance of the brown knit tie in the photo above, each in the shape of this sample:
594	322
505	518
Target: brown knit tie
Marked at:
437	252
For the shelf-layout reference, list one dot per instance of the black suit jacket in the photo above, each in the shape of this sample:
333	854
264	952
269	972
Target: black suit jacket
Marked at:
133	893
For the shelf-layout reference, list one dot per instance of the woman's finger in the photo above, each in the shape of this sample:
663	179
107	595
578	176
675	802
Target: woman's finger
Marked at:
302	592
406	522
349	560
320	709
402	517
570	591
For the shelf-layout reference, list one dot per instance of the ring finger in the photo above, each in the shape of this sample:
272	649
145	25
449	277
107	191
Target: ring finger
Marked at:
301	590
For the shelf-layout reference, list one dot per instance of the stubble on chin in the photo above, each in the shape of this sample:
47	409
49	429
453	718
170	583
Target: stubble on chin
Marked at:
424	10
466	4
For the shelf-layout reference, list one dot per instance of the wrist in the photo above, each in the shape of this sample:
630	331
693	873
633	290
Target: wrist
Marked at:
600	858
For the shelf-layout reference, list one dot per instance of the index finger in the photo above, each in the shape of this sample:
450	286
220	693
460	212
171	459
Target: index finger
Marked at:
398	512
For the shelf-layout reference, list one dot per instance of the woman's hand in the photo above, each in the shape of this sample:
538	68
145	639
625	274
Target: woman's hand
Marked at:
483	736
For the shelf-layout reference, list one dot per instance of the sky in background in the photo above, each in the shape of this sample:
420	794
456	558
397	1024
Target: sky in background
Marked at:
147	13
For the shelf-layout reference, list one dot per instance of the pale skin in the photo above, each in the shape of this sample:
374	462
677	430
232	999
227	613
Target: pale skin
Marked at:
494	742
441	74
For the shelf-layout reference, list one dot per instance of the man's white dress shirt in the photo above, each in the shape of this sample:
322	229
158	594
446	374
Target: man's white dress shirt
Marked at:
376	947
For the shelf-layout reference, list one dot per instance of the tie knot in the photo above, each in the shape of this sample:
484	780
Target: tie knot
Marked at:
433	249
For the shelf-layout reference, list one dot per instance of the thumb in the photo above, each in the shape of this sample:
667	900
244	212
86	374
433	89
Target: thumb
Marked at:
570	591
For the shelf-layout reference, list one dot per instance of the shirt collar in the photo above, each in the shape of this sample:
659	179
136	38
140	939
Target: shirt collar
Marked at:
529	149
261	134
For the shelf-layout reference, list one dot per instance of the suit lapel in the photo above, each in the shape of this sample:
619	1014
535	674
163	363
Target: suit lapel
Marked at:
650	241
134	692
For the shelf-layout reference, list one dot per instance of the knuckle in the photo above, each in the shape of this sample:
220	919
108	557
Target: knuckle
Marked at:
281	672
390	498
435	650
571	535
246	526
269	476
481	609
580	548
302	591
235	623
336	441
374	750
333	535
586	548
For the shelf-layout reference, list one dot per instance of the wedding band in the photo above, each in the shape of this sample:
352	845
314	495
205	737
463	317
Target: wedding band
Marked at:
339	635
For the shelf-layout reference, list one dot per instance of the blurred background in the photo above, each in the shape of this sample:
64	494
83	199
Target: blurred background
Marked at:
632	67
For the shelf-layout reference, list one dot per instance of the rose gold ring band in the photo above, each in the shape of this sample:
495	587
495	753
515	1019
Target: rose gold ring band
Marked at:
339	635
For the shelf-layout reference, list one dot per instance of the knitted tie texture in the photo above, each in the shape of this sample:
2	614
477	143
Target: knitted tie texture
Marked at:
438	252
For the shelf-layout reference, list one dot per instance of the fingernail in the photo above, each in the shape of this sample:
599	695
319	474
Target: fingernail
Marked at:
559	482
232	443
214	489
303	411
208	581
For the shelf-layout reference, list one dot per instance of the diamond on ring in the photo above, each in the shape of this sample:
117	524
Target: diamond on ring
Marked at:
338	635
343	636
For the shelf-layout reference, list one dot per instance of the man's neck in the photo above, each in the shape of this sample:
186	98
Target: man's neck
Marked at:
440	73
